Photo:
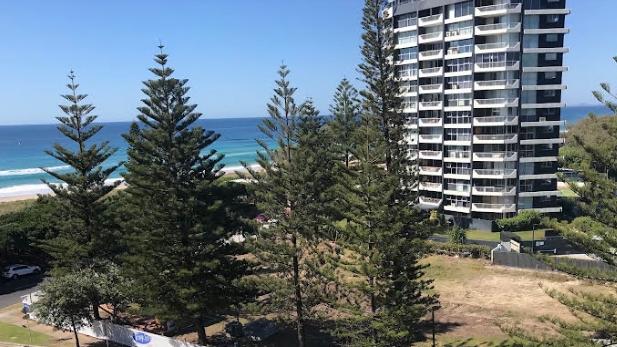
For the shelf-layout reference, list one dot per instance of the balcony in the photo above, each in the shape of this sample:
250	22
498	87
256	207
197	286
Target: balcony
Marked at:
494	191
495	139
408	90
497	84
431	138
498	10
497	66
458	140
497	47
459	34
430	122
457	189
431	171
430	55
494	208
454	105
495	103
431	37
495	156
431	72
458	157
431	105
431	155
431	187
544	105
498	174
459	206
498	29
435	19
458	173
427	203
495	121
431	88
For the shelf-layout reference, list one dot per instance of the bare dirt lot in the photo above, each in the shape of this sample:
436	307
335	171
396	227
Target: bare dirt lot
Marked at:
477	298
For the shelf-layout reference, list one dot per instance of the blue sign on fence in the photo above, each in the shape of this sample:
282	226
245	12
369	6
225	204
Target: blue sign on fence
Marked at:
141	338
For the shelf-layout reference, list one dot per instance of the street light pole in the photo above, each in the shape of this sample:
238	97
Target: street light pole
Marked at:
533	239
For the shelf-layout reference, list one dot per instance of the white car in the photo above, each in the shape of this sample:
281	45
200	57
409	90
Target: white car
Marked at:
17	270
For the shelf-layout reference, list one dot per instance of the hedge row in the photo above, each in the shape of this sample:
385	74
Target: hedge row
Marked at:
474	251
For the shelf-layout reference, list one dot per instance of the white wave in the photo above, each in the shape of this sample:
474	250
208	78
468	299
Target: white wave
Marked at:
30	171
239	168
26	190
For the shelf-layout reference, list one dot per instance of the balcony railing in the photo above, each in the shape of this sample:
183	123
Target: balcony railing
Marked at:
431	71
430	138
498	28
408	89
458	102
435	187
430	37
494	156
497	84
427	202
409	105
495	208
431	88
458	187
430	122
460	32
431	170
460	171
430	20
434	155
497	66
498	9
497	47
433	54
497	102
498	120
499	138
431	105
492	190
459	85
494	173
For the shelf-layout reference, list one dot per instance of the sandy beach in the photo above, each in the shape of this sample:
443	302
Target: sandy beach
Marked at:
32	191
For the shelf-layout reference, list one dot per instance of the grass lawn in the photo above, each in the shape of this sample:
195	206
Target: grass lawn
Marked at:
16	334
14	206
481	235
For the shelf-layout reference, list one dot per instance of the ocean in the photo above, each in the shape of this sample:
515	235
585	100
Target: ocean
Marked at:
22	147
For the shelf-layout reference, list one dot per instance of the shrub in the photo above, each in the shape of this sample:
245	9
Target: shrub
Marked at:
475	251
457	235
523	221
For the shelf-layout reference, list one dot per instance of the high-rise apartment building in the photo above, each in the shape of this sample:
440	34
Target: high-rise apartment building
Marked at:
481	82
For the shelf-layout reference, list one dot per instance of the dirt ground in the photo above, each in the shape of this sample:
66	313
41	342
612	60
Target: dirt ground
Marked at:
477	298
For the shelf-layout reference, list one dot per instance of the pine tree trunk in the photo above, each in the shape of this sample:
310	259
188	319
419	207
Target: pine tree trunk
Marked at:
201	331
75	332
299	311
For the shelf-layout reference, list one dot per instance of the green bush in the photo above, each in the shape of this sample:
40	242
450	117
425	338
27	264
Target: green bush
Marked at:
475	251
457	235
523	221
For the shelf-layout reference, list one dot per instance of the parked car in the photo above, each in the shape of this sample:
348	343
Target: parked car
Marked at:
18	270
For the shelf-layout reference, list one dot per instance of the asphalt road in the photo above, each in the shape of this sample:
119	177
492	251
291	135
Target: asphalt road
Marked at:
12	290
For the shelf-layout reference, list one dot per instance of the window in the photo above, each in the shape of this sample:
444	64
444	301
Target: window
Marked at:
461	9
551	75
406	20
552	37
552	18
550	56
550	93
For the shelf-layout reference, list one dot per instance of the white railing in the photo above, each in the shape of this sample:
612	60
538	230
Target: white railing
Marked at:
460	32
498	26
495	119
404	40
497	46
508	84
409	105
430	154
459	187
430	104
496	137
494	172
430	170
500	7
498	64
430	88
431	70
495	207
431	138
408	89
497	102
495	155
458	102
430	186
494	190
430	36
458	171
459	138
430	19
431	54
430	121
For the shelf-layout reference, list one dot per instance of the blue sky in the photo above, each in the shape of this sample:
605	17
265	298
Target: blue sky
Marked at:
230	51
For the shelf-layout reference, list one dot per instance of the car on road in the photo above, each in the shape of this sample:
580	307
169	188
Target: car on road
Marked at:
18	270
